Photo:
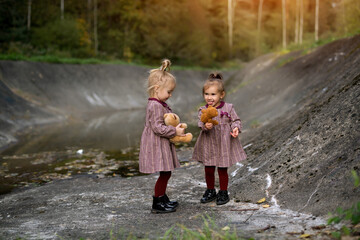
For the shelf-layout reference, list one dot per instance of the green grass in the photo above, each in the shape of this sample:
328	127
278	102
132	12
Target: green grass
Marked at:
209	230
285	61
307	47
239	86
69	60
349	218
57	59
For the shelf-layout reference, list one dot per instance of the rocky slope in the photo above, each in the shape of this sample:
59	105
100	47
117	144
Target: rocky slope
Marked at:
303	159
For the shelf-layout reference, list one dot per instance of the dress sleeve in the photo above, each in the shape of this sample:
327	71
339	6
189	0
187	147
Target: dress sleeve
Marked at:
157	124
200	123
235	120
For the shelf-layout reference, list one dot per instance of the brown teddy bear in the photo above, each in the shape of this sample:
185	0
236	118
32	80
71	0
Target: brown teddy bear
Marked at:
173	120
208	114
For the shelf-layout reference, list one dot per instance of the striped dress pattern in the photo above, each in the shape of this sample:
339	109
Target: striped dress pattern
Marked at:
216	147
157	153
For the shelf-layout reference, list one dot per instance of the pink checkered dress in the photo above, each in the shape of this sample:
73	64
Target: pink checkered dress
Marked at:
216	147
157	153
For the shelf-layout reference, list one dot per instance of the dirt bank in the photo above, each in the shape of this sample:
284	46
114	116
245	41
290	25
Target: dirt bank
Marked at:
303	159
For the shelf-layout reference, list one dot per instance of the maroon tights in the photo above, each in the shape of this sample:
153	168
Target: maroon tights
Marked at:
161	184
210	177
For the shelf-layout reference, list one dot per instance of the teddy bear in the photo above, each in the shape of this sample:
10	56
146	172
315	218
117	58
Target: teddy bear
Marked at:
208	114
174	120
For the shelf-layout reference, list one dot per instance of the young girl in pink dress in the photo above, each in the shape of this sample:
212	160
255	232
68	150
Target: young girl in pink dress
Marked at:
157	153
218	146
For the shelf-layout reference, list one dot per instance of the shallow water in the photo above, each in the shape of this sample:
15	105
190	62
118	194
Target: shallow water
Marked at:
103	146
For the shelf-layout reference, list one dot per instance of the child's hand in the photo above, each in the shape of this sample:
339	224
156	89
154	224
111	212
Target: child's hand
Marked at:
235	132
179	130
209	126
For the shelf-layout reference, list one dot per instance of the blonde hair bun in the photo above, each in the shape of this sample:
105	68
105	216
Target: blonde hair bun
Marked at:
165	65
159	77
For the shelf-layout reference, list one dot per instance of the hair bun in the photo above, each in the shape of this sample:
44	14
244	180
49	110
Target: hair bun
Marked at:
165	65
215	75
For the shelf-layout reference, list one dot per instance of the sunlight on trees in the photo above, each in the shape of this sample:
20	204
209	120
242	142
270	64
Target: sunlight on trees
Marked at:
190	32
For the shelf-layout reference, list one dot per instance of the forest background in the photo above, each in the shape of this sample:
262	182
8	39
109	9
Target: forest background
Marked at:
206	33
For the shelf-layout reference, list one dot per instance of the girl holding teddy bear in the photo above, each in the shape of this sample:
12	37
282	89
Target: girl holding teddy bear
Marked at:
157	153
218	144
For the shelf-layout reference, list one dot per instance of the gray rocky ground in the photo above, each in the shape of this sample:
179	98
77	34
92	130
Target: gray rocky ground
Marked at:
94	208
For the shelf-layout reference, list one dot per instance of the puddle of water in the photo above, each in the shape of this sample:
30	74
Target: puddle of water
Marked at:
38	168
104	146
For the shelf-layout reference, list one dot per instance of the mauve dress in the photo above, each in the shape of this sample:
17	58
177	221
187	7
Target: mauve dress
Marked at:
216	147
157	153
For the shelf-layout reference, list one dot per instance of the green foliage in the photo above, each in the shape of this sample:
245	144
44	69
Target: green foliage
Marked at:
65	35
179	232
255	123
284	61
350	216
356	178
189	32
57	59
209	231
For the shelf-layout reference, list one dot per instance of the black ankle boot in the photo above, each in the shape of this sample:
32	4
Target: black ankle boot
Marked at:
222	197
173	204
160	205
209	195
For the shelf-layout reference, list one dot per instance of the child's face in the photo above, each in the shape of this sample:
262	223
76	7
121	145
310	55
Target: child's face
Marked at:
212	96
164	92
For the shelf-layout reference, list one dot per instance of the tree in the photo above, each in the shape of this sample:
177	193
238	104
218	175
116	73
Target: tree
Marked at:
29	15
96	43
230	24
217	12
284	23
297	21
259	27
89	14
62	9
343	15
301	21
317	21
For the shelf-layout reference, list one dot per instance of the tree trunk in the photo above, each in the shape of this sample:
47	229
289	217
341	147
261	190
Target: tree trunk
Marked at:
317	21
284	23
297	21
259	27
89	14
230	25
343	16
62	9
29	15
95	28
301	21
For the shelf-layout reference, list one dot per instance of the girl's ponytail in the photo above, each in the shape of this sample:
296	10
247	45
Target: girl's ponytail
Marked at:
215	78
215	75
159	76
165	65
